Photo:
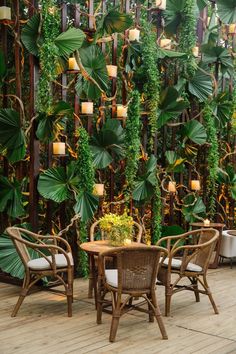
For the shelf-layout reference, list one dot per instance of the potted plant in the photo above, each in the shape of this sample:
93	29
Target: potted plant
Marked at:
118	228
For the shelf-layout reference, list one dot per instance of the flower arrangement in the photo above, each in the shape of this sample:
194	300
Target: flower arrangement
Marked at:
118	228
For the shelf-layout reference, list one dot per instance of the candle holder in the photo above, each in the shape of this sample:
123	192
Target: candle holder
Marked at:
165	43
195	51
98	189
206	222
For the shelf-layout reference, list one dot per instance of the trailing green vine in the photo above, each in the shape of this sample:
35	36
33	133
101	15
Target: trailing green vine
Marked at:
151	87
132	140
50	20
233	119
86	174
85	169
157	215
213	158
187	38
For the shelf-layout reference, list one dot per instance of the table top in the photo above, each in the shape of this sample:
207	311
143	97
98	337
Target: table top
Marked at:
212	224
95	247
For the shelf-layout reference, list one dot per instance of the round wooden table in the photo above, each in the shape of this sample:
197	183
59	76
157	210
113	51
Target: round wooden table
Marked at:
217	226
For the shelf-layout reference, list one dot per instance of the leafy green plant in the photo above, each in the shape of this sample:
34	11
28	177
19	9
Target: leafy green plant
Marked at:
227	10
12	138
193	208
151	87
132	140
227	177
11	197
194	131
108	144
170	106
115	21
213	158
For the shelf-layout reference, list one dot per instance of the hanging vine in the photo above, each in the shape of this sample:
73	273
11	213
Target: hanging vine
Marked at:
213	159
132	140
50	20
85	172
233	119
152	85
187	38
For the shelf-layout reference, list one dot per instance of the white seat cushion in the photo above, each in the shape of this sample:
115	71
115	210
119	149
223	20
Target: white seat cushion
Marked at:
112	277
42	263
176	264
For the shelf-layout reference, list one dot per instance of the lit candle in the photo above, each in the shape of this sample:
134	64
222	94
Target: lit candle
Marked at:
112	70
195	51
98	189
134	34
5	13
127	241
172	187
87	107
59	148
122	111
195	185
206	222
161	4
165	43
73	64
232	29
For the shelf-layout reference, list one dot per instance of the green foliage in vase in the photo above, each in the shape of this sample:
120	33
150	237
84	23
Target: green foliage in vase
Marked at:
187	37
151	87
118	228
213	158
132	140
48	54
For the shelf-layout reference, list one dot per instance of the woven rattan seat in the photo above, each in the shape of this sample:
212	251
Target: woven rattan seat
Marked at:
134	277
188	257
53	261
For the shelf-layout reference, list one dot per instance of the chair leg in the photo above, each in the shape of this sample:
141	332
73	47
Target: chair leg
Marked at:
157	314
116	313
195	288
150	309
114	325
167	303
208	291
69	292
23	293
100	298
90	288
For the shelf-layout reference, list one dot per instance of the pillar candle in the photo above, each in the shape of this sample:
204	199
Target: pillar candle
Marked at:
172	187
87	107
73	64
165	43
98	189
134	34
5	13
195	185
232	29
195	51
112	70
161	4
206	222
59	148
122	111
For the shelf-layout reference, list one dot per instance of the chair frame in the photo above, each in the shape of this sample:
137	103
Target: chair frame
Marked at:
132	291
32	276
91	238
189	252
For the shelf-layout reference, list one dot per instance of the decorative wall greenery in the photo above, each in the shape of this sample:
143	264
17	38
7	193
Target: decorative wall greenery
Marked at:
180	124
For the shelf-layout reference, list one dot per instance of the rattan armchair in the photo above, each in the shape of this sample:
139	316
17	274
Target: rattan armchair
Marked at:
135	276
137	236
188	257
53	261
